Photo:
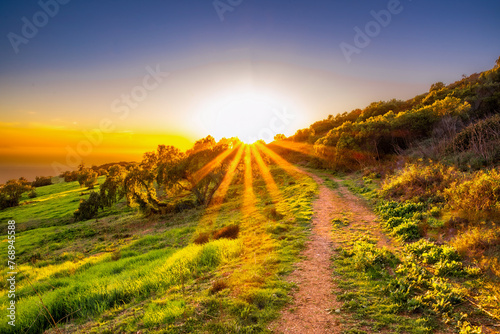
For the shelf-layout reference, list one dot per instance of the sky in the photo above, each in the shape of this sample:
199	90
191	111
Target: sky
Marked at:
103	81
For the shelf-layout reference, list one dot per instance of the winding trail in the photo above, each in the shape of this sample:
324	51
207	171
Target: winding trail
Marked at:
314	305
314	308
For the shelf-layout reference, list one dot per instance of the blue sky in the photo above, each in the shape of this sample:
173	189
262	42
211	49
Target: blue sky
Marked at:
286	53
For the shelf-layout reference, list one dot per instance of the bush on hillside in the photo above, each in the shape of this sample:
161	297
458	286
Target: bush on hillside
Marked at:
477	197
88	208
420	181
41	181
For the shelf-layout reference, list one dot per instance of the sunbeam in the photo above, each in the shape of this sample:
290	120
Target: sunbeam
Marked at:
271	186
288	167
303	148
200	175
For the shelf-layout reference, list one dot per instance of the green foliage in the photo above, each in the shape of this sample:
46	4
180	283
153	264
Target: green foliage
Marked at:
112	270
41	181
364	287
408	230
370	258
478	196
112	190
108	284
32	193
390	209
429	252
69	176
86	177
89	207
11	191
420	182
414	289
199	171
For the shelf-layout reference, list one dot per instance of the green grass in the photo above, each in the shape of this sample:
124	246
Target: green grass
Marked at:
134	273
418	288
54	205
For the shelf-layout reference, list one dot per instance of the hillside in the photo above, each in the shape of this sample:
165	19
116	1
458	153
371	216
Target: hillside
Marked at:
457	124
378	220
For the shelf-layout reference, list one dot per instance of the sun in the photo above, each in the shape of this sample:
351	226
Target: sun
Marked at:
250	117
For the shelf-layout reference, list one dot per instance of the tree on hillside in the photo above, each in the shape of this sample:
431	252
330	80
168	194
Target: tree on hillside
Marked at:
69	176
168	171
41	181
88	208
86	177
203	153
437	86
112	189
279	137
11	192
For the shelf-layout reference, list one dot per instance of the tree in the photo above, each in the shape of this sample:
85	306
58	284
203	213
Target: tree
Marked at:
168	170
206	164
69	176
87	177
41	181
88	208
279	137
11	192
437	86
112	189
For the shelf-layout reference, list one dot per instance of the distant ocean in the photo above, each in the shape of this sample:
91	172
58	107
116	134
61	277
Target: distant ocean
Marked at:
8	171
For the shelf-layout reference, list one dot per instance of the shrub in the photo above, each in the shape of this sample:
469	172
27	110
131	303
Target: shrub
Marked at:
394	222
476	240
88	208
402	210
184	205
370	258
11	191
430	253
424	182
41	181
32	194
69	176
449	268
478	197
227	232
202	238
408	230
218	285
274	215
481	137
87	177
116	255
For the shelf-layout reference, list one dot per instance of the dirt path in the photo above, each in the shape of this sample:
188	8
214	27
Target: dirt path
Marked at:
314	305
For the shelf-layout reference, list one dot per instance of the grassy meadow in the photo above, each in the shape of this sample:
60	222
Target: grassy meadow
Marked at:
125	272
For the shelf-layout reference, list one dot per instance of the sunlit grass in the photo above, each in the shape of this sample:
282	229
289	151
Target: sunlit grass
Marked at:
96	268
288	167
